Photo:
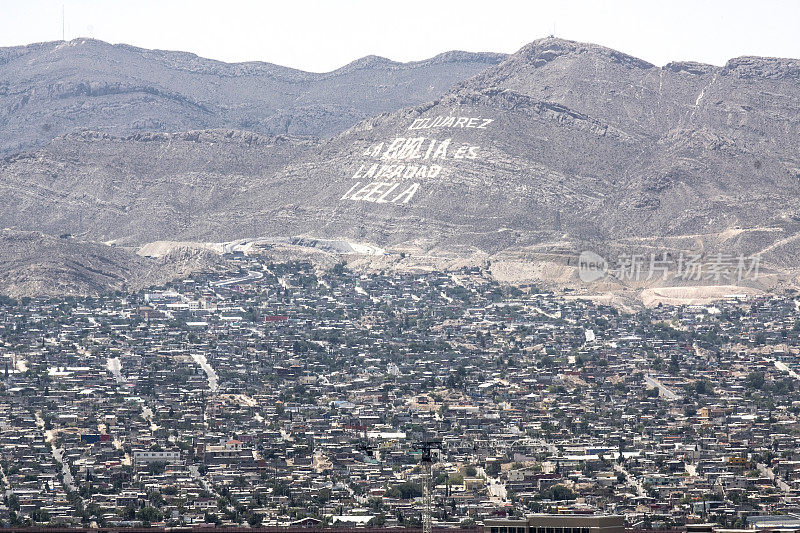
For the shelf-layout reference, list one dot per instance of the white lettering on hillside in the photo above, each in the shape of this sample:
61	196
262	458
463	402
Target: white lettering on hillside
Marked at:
450	122
401	165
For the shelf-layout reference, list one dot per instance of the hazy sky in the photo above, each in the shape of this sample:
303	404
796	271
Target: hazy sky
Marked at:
321	36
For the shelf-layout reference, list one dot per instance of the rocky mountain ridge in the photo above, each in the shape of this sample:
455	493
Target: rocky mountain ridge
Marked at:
560	148
50	89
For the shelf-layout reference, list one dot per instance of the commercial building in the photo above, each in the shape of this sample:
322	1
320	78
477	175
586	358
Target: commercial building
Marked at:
557	523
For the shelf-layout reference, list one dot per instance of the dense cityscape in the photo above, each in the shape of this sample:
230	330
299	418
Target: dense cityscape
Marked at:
282	394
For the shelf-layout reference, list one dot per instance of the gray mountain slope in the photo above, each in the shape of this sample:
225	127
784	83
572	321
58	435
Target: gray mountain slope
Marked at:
590	145
561	147
50	89
144	187
36	264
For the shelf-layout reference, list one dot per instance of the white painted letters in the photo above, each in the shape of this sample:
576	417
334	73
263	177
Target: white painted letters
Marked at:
398	174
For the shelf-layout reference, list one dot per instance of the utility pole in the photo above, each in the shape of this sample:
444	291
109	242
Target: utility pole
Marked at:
427	445
367	448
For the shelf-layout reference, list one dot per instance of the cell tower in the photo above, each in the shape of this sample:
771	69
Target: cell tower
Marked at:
426	446
365	446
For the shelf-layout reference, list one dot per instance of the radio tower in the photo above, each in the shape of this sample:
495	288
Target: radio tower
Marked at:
427	446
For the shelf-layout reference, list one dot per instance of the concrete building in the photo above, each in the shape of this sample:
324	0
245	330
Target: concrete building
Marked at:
147	457
558	523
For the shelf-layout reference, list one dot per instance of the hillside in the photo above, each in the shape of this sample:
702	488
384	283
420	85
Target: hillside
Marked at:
35	264
560	148
51	89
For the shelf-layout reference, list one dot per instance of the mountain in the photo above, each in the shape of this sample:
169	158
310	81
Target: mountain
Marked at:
36	264
573	146
560	148
51	89
145	187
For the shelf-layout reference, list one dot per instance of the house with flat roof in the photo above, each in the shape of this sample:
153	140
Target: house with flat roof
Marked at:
557	523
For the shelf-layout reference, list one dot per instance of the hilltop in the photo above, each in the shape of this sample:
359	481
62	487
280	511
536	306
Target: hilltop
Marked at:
55	88
559	148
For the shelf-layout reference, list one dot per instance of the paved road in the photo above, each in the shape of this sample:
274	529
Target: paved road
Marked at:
6	484
211	374
770	473
497	490
147	414
252	275
114	365
632	481
58	454
780	365
195	472
665	392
